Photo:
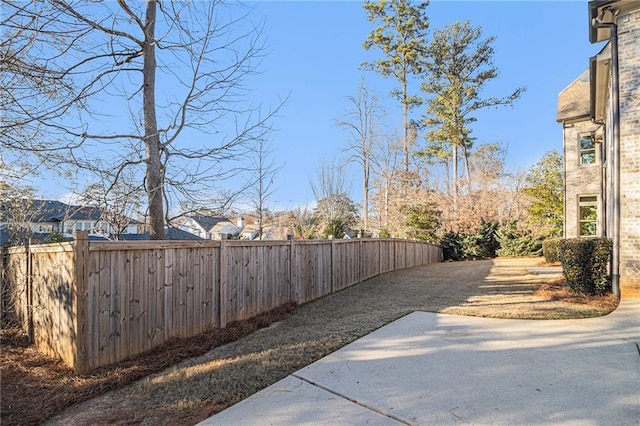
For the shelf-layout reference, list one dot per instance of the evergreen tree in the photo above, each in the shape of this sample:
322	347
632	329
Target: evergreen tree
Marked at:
401	37
546	185
458	67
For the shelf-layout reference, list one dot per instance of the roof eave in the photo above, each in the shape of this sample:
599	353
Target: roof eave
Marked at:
574	119
597	35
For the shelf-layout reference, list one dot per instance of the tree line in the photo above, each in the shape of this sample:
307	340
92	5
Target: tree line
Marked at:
434	179
64	61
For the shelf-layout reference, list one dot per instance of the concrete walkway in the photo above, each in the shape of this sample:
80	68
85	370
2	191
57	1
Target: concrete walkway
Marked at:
436	369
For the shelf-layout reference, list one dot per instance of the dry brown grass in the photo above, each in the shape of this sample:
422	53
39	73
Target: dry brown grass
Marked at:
198	387
35	387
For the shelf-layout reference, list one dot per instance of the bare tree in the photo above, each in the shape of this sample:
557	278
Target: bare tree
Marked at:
119	204
264	169
16	212
386	180
360	121
331	180
157	87
332	201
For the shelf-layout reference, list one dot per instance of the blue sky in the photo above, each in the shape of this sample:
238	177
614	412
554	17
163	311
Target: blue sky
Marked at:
315	49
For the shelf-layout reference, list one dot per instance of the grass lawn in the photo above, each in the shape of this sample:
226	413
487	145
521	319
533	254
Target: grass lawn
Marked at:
187	380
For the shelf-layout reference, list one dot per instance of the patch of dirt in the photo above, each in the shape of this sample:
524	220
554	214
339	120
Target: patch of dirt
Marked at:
179	385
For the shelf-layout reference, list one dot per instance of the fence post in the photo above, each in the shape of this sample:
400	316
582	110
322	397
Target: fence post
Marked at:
80	301
223	283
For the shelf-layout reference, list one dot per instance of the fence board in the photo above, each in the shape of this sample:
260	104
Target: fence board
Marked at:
99	285
160	288
139	294
348	264
111	342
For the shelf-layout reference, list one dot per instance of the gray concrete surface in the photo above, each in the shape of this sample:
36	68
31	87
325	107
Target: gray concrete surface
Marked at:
436	369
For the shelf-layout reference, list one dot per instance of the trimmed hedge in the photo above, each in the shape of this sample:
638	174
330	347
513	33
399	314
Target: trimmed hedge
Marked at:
551	250
585	264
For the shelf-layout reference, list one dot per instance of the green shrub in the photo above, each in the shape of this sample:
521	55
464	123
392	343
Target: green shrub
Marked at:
514	242
451	243
585	264
460	245
551	249
485	238
336	228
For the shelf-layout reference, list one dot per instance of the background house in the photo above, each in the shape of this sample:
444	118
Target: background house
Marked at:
209	227
601	139
41	218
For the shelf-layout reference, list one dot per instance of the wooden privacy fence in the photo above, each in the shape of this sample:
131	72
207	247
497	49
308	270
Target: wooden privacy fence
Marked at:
95	303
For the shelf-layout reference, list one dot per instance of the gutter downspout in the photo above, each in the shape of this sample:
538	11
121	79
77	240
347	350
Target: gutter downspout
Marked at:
615	140
564	179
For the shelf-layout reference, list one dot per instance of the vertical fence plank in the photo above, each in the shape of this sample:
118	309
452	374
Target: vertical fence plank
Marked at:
151	302
224	270
160	297
115	314
126	298
80	295
106	326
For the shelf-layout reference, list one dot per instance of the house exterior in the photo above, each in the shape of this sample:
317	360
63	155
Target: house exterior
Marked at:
210	227
583	162
600	117
43	217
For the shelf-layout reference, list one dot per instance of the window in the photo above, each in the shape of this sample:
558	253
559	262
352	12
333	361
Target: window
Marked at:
588	216
587	149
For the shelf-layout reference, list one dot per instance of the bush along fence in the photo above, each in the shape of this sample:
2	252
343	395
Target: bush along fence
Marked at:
95	303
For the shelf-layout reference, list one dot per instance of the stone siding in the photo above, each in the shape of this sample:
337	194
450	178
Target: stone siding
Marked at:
580	179
629	63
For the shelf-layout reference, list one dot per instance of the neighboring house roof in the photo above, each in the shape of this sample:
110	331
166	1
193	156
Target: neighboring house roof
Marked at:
349	235
169	234
225	227
208	222
574	101
251	232
44	237
51	211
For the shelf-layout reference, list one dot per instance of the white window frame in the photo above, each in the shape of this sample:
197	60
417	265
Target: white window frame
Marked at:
583	152
588	200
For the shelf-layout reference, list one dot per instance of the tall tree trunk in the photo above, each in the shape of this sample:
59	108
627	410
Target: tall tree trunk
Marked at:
154	172
448	173
365	190
455	178
465	153
405	127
